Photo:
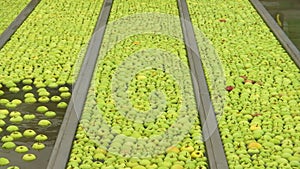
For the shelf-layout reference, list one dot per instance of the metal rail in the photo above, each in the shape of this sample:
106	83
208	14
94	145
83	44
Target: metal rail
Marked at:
12	28
64	141
214	147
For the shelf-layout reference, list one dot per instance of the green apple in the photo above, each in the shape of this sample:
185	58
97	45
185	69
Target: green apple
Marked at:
29	95
14	114
43	93
26	88
197	154
14	89
55	99
41	109
187	148
4	101
99	156
2	123
44	123
30	100
41	137
12	128
177	166
62	105
38	146
53	85
4	112
50	114
8	145
10	105
29	157
16	101
63	89
27	81
29	116
7	139
21	149
43	99
3	161
29	133
65	95
17	119
16	135
138	167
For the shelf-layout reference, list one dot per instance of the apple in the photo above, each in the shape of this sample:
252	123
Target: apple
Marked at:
43	93
10	105
50	114
21	149
16	135
41	109
8	145
30	100
62	105
29	133
4	101
14	114
26	88
29	95
4	161
55	99
229	88
41	137
4	112
16	119
65	95
43	99
2	123
7	139
63	89
12	128
27	81
14	89
197	154
38	146
29	157
29	116
44	123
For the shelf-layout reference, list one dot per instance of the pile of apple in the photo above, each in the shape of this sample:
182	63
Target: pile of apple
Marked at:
47	45
40	58
152	125
260	125
9	10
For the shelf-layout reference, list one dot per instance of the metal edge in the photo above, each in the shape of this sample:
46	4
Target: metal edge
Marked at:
64	141
278	32
13	27
214	147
